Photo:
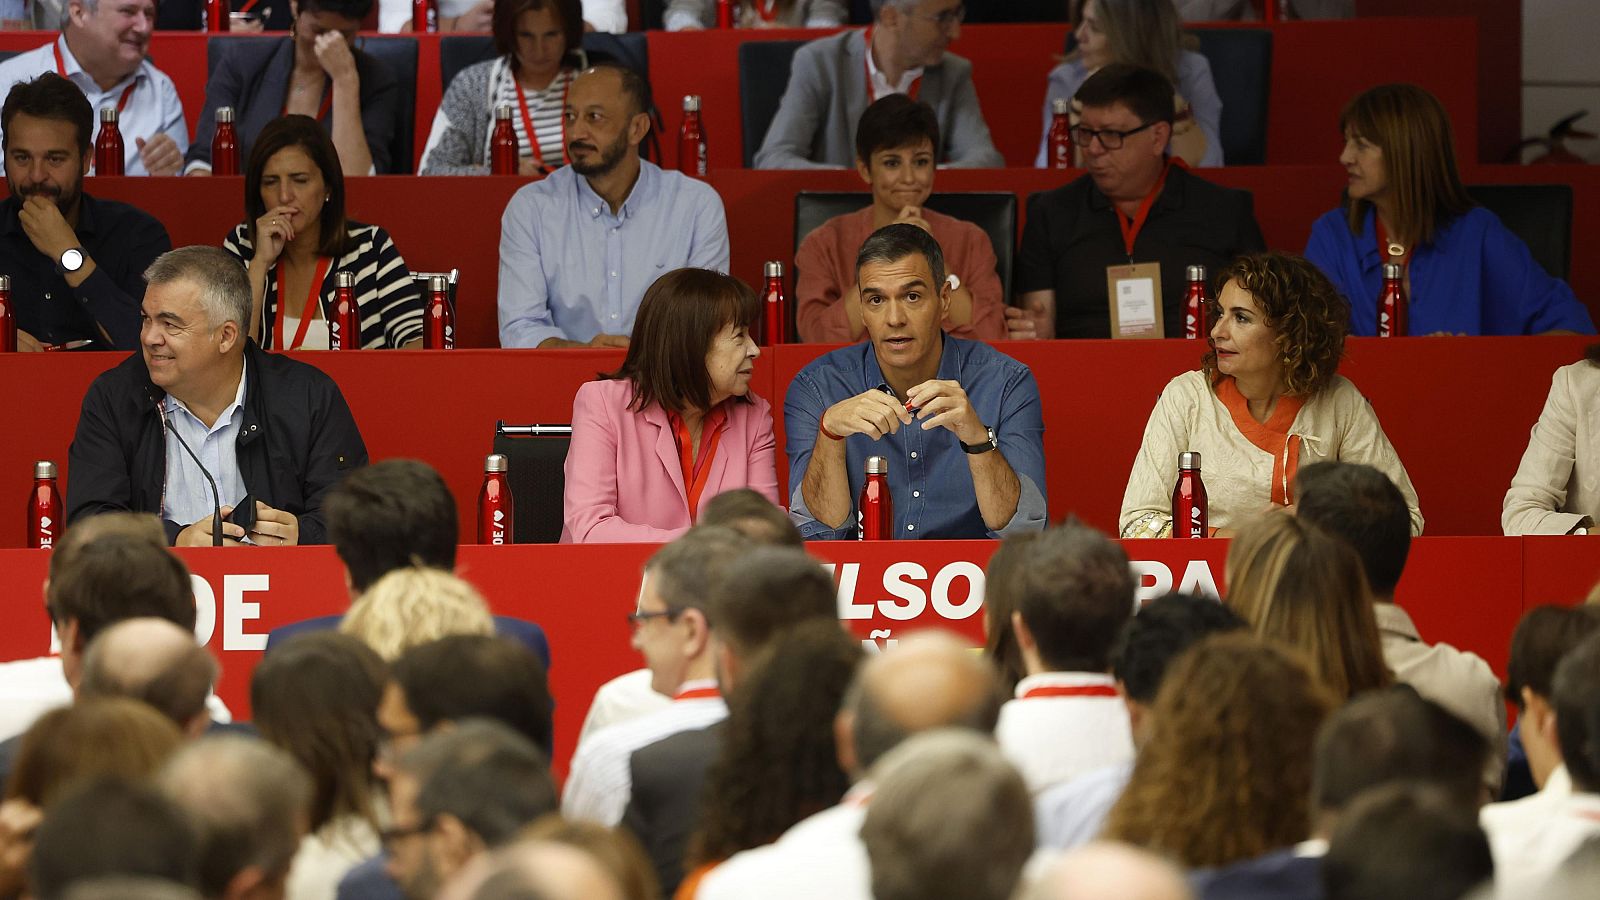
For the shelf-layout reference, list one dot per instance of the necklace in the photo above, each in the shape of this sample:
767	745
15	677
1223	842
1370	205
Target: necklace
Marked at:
1396	248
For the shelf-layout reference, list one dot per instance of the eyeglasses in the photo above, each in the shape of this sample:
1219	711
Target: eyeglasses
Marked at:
1110	138
945	20
635	619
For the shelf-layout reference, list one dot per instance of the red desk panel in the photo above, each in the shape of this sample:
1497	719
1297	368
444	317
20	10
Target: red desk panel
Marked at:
1468	591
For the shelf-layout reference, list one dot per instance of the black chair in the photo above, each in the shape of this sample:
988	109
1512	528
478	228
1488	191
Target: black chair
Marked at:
1241	68
457	51
217	47
536	456
763	77
994	212
652	15
7	54
1540	214
979	11
400	54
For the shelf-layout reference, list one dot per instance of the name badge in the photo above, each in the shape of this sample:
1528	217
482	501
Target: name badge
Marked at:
1135	296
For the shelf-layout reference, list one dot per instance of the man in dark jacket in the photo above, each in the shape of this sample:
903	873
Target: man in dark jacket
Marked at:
201	404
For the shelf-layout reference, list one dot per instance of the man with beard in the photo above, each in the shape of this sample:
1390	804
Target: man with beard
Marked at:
578	249
76	263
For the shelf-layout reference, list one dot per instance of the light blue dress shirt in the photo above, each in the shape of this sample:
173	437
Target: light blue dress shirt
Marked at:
930	480
187	498
570	268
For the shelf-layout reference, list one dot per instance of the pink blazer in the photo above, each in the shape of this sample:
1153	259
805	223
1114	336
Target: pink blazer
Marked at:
624	480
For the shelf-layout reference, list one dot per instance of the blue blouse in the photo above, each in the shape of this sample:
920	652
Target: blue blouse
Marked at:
1475	277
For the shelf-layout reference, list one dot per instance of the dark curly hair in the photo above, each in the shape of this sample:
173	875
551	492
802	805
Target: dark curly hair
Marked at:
778	762
1308	313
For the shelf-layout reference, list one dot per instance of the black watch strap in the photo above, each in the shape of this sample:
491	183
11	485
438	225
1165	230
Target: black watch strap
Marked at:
983	446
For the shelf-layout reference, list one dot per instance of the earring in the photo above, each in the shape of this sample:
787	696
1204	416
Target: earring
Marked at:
327	198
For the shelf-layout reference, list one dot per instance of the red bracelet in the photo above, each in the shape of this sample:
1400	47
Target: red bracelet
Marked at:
826	433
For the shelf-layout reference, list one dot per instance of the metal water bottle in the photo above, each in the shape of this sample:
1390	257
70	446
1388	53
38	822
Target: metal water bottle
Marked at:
344	326
424	16
1189	499
775	307
1060	134
1392	305
8	317
725	13
503	147
495	507
218	13
44	507
692	139
875	512
1194	303
438	317
225	144
108	144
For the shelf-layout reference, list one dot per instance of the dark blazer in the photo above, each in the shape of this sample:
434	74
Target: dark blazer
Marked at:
253	78
1279	875
526	633
664	808
296	441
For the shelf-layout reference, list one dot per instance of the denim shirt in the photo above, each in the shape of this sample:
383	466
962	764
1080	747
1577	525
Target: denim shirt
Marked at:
930	481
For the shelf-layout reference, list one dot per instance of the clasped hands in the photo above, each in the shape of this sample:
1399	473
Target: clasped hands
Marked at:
273	528
933	403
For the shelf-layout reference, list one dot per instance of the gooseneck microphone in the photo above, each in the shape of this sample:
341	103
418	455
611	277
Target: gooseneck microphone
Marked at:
216	498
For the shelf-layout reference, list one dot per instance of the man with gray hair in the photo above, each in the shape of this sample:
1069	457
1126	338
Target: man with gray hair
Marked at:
157	663
248	802
202	405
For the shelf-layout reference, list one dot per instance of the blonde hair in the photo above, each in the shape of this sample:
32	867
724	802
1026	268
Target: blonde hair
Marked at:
1146	33
415	605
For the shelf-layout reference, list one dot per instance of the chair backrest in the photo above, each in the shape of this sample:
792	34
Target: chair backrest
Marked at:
457	51
995	212
400	55
536	456
1027	11
1540	214
7	54
1241	68
763	77
217	47
652	15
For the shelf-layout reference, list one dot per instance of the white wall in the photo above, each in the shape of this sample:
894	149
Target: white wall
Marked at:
1561	67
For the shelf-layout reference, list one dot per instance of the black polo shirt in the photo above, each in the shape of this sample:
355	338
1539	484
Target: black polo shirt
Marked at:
1072	235
121	239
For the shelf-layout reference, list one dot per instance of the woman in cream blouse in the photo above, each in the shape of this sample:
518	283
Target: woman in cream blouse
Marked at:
1557	488
1266	400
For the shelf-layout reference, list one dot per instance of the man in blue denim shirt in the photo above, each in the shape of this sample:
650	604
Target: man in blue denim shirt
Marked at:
958	421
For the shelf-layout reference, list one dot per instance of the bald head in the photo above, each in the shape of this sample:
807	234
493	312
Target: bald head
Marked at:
1108	871
549	870
930	680
151	660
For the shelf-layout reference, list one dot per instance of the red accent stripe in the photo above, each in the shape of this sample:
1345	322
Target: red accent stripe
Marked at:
697	694
1091	690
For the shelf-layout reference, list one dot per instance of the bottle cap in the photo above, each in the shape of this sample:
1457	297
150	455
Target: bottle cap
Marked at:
439	284
1060	106
774	269
503	111
1393	271
224	114
691	102
344	279
5	282
877	465
108	114
496	462
44	468
1197	273
1189	459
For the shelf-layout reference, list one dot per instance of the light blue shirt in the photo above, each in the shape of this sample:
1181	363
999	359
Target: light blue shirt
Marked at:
571	269
1074	813
187	498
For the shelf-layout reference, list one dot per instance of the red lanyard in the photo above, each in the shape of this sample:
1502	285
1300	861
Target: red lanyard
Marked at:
697	471
312	297
1131	228
527	120
766	9
1089	690
1383	244
61	69
872	93
322	112
705	693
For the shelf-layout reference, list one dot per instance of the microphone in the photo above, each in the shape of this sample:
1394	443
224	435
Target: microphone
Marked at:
216	498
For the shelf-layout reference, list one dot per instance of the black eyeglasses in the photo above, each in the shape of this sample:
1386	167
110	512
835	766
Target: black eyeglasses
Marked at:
1110	138
635	619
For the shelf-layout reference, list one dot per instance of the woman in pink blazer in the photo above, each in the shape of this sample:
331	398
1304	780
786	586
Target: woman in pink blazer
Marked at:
677	424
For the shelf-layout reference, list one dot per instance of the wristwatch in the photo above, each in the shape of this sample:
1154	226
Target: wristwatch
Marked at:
993	443
71	261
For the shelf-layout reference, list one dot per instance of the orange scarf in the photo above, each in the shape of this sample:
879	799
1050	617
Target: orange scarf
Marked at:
1271	436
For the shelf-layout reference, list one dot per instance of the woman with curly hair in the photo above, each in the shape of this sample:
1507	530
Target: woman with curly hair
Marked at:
1226	773
1301	586
1267	399
779	763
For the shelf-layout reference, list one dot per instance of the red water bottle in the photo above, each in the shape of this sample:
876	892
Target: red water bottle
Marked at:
875	513
44	507
344	326
1060	135
1189	499
724	13
108	144
8	317
504	151
424	16
495	507
775	308
438	318
692	139
225	144
218	13
1194	303
1392	305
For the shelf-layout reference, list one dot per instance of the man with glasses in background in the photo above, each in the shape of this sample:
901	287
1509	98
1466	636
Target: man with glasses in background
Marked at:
834	79
1136	221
